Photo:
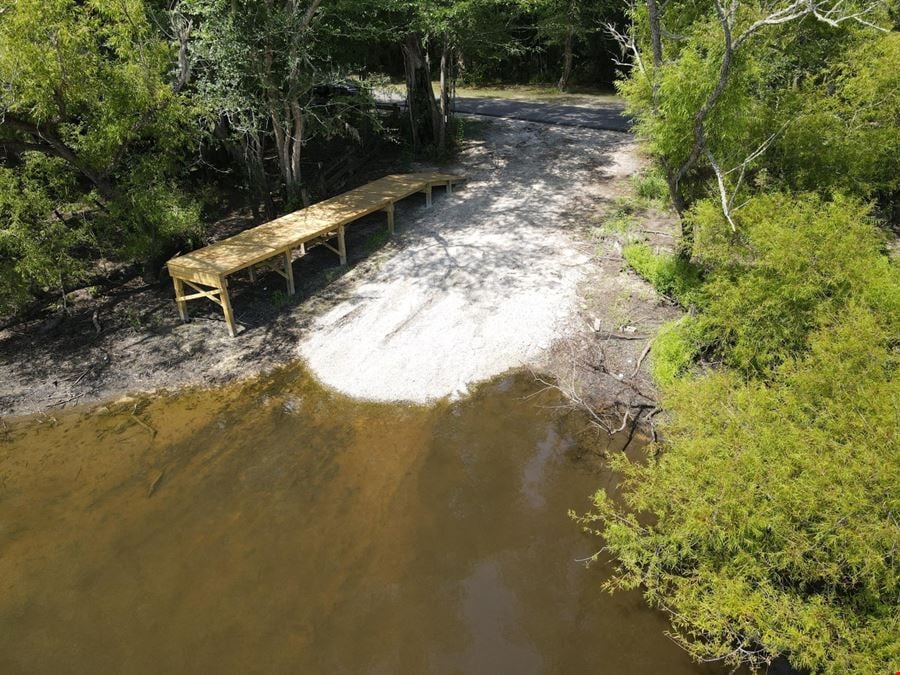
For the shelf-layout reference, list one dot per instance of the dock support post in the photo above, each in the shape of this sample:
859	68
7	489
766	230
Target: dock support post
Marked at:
428	196
179	295
342	245
449	187
390	217
289	272
252	271
226	305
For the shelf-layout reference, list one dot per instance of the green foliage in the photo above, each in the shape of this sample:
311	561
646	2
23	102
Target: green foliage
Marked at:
651	185
794	264
621	219
273	77
846	127
671	275
95	132
152	216
765	523
39	230
768	524
674	349
618	223
819	99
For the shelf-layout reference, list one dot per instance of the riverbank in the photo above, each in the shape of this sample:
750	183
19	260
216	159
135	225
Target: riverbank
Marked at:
516	270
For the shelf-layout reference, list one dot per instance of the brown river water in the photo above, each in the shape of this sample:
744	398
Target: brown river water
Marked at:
273	526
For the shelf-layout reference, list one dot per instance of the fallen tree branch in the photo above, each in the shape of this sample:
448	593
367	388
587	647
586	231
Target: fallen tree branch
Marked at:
637	366
626	336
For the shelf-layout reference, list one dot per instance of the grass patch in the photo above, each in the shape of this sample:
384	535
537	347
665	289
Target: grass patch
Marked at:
539	92
670	275
618	223
620	220
651	186
376	240
280	299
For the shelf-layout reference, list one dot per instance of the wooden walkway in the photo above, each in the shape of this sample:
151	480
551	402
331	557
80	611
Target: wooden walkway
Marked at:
207	269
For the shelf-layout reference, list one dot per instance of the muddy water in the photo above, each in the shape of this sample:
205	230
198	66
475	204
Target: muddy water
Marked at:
276	527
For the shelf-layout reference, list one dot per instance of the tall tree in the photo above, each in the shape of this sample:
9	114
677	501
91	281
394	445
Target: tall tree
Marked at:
97	89
692	66
560	24
447	30
85	82
255	71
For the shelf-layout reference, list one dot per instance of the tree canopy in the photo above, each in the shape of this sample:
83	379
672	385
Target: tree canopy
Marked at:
119	118
765	521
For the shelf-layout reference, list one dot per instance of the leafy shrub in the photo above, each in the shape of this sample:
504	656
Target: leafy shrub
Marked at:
768	526
651	186
670	274
845	135
152	218
127	131
766	523
674	350
795	263
38	235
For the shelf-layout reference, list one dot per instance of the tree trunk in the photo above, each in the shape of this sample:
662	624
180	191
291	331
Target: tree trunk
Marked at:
655	34
568	56
254	149
296	145
445	93
280	149
673	176
288	128
423	112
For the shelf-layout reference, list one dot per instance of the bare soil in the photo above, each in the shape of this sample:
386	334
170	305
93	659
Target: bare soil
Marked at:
547	187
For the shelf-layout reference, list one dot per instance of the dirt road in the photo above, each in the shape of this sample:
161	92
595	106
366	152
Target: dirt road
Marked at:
603	117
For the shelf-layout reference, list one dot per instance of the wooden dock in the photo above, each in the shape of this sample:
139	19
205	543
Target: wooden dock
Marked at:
207	269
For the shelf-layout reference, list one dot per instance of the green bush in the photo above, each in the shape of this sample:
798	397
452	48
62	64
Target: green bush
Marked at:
651	186
674	349
38	233
152	218
769	524
670	274
107	133
796	261
766	522
845	134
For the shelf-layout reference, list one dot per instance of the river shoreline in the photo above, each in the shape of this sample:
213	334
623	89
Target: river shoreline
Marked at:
130	341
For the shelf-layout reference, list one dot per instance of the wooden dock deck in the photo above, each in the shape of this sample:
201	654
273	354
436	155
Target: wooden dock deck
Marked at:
207	269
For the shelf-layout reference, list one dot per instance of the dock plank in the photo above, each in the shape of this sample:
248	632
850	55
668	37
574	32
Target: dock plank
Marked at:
212	264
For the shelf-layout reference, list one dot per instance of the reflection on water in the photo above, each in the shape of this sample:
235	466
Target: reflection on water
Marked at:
276	527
